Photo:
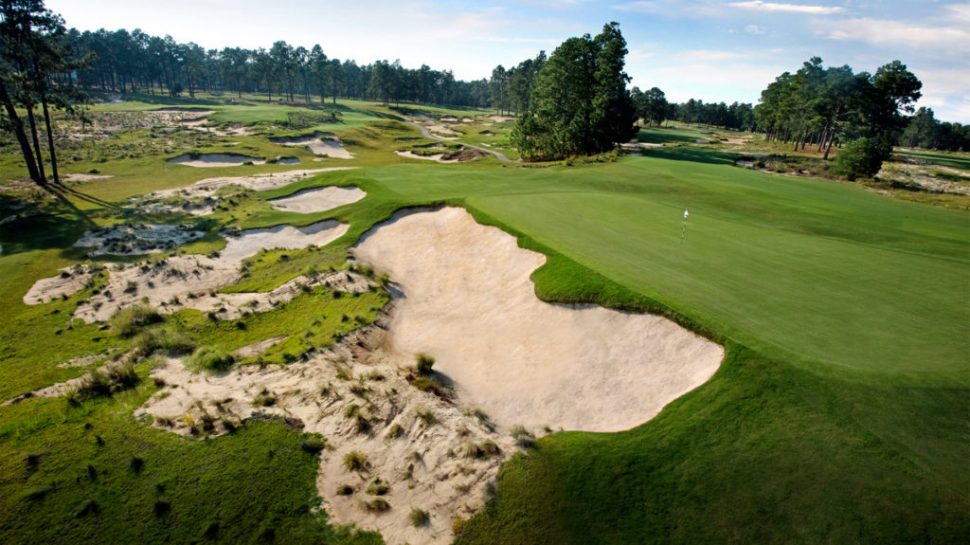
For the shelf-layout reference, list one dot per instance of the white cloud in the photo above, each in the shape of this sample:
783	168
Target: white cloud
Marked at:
960	12
760	5
754	29
882	32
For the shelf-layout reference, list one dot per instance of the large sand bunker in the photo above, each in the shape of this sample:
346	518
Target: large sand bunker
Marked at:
318	143
212	160
136	239
319	199
468	301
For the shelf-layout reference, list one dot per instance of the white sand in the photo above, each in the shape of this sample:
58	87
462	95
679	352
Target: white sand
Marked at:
215	160
255	182
500	118
317	143
71	280
78	177
469	302
424	467
438	157
319	199
192	281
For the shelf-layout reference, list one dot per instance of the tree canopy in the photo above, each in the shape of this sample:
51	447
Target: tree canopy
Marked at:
579	103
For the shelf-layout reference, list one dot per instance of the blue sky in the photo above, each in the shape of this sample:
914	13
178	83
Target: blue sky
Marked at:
709	49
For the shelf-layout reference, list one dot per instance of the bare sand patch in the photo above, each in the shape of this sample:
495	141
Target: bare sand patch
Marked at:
319	199
318	143
357	397
215	160
438	157
70	281
192	281
136	239
255	182
79	177
468	300
501	118
932	178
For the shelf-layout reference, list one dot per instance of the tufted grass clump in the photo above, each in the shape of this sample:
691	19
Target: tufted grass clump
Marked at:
419	517
376	505
105	382
424	364
211	360
356	460
166	339
130	320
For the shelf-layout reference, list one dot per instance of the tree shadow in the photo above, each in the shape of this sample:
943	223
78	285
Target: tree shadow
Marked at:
656	135
40	226
694	154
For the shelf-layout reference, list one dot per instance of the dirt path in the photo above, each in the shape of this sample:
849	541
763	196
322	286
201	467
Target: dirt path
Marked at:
427	134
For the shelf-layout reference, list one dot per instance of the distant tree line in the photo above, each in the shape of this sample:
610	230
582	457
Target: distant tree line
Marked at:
128	62
925	131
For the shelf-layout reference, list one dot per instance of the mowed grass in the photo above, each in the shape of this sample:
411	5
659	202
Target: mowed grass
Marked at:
799	269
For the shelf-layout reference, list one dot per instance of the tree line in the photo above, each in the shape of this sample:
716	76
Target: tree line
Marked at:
128	62
925	131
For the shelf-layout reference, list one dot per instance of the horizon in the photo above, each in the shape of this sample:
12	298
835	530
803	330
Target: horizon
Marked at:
713	50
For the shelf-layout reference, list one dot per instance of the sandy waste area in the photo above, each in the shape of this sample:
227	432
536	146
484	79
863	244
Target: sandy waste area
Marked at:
462	294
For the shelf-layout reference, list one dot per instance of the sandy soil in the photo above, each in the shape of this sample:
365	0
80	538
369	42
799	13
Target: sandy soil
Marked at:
500	118
469	302
319	199
193	281
318	143
357	397
935	179
71	280
438	157
214	160
136	239
77	177
255	182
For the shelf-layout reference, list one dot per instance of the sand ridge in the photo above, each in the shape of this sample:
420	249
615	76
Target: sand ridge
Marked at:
468	300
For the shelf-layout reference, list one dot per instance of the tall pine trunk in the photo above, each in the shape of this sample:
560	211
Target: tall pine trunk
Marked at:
50	140
33	134
18	129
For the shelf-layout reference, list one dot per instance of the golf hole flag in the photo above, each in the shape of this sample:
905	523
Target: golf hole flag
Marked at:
683	233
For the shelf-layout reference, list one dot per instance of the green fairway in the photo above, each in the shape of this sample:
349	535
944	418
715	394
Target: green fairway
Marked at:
802	270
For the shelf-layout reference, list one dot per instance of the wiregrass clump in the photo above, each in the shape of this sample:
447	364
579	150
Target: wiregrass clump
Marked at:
130	320
105	382
211	360
166	338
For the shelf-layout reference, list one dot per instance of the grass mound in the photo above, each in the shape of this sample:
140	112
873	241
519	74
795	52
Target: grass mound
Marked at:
210	360
130	320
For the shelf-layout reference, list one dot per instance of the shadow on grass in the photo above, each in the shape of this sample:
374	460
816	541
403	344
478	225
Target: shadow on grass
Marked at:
656	135
693	154
53	224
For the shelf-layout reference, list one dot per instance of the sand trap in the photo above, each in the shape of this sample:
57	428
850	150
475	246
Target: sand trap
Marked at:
423	465
214	160
438	157
468	301
319	199
318	143
500	118
136	239
449	119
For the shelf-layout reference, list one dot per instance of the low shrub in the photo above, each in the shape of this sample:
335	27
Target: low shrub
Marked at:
167	339
425	364
356	460
378	488
105	382
130	320
419	517
211	360
376	505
